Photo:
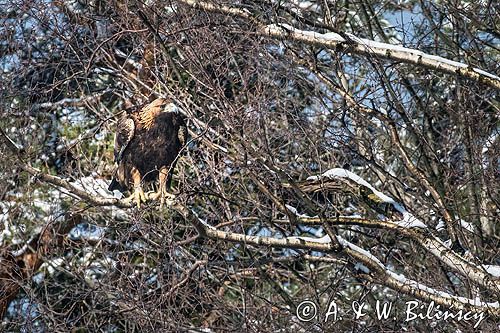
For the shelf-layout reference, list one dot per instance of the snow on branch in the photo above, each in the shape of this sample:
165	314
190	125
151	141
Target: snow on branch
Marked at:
408	221
355	44
399	281
410	227
380	272
493	270
484	277
383	50
414	288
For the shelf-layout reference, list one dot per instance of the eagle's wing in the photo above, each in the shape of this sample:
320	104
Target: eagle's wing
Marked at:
124	132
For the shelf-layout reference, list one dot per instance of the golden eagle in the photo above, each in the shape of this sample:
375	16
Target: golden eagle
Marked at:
147	145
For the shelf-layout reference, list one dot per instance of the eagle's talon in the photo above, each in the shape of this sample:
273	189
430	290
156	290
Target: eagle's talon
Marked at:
152	195
170	198
138	196
170	201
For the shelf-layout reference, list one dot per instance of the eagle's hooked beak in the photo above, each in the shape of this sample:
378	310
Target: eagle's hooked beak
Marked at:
172	107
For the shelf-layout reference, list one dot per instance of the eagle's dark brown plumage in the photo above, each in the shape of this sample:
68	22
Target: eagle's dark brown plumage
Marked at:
147	145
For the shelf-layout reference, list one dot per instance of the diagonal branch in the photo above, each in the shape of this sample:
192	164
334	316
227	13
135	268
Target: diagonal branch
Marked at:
354	44
324	244
368	47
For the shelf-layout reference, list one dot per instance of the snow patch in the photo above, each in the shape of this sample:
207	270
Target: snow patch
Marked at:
467	226
440	226
94	185
294	211
360	267
493	270
323	240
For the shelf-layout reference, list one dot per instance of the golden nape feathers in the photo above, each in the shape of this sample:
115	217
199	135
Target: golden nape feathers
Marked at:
149	113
